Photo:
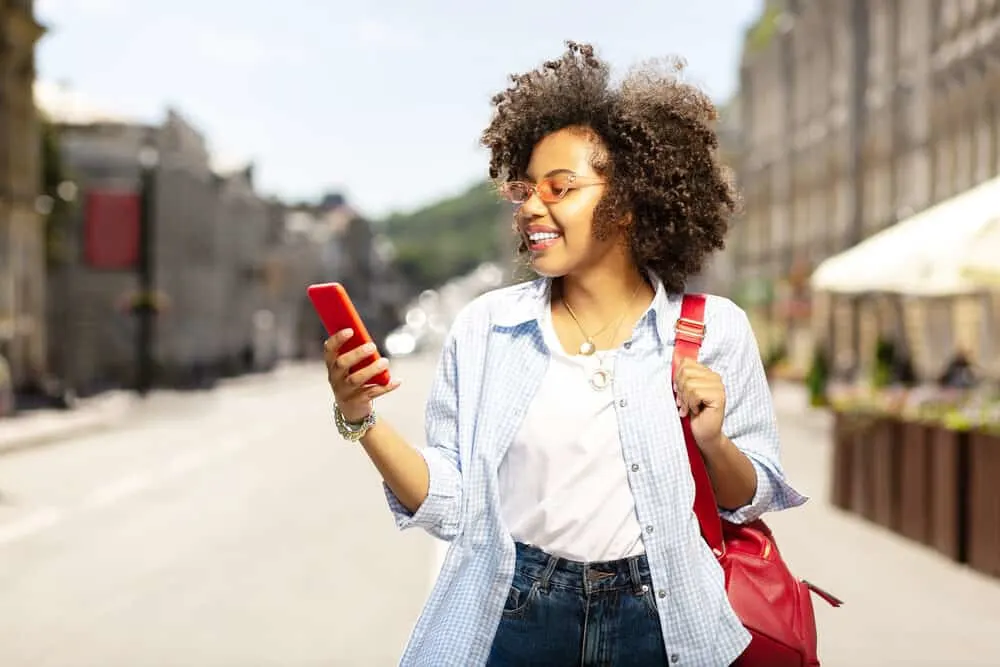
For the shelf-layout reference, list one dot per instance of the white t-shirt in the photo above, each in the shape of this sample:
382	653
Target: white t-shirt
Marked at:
563	483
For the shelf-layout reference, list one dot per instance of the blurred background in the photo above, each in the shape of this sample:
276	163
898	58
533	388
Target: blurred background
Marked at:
172	489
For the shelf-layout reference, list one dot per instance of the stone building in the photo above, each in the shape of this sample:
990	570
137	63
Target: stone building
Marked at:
22	227
856	114
355	254
209	245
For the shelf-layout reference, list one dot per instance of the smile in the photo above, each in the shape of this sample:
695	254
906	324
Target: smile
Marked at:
542	240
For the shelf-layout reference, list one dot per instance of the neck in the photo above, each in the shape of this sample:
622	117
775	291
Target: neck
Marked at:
599	294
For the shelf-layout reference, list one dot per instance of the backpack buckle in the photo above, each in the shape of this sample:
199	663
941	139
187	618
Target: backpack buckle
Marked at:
689	330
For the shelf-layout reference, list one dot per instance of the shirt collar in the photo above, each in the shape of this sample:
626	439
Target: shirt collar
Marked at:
529	301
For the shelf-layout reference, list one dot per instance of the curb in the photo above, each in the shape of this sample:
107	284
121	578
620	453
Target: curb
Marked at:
21	433
106	411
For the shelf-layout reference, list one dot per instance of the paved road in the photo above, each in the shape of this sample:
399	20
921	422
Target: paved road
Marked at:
233	529
224	529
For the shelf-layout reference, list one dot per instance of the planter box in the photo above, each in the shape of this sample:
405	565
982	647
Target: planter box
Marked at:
862	474
843	451
914	481
885	444
983	538
949	469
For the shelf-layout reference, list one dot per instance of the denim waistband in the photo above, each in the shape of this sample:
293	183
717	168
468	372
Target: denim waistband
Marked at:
548	570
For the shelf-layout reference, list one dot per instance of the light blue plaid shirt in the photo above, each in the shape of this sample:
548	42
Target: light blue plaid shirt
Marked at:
493	360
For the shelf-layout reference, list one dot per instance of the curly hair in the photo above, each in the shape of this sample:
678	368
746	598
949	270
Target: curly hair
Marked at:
656	146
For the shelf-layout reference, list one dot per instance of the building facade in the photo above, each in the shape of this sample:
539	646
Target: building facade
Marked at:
22	226
210	236
855	115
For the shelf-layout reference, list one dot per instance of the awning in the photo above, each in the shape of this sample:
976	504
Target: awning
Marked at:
924	255
982	263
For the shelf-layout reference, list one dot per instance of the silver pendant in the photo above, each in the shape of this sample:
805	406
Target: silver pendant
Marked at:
587	348
600	379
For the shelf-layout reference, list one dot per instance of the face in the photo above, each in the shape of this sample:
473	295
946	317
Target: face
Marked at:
559	194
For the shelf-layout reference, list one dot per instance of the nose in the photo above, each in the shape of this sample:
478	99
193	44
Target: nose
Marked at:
533	207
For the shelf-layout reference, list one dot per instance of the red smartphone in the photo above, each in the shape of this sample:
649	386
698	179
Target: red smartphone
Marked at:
337	313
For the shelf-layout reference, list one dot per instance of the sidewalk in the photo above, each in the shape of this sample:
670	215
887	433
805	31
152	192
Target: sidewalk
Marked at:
38	427
110	409
904	603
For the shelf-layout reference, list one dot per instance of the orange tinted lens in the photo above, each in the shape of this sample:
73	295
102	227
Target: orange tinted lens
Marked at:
553	188
517	191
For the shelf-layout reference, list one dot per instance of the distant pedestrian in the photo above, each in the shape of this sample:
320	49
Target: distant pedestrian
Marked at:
556	464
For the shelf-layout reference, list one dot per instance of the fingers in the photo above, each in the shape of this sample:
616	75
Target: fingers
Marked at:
696	395
697	387
346	361
347	385
371	392
361	377
331	346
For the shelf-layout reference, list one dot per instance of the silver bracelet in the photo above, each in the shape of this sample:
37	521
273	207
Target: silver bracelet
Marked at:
353	431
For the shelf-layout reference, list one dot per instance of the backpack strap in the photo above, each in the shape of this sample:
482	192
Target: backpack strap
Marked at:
689	332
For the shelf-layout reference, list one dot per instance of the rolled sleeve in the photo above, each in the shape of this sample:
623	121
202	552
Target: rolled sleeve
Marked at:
752	425
440	512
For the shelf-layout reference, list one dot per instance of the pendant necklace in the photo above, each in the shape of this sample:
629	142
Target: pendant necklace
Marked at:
600	378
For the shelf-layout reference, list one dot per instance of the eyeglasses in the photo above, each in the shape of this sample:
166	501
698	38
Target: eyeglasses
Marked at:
550	189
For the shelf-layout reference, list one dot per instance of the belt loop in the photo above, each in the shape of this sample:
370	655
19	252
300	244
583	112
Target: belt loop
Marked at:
633	571
550	567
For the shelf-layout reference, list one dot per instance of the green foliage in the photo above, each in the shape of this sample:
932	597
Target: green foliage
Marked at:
817	378
885	355
53	173
764	29
448	238
776	353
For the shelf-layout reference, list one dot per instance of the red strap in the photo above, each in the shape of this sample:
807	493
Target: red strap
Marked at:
690	331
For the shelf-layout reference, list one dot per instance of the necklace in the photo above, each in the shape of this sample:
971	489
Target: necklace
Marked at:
600	379
588	347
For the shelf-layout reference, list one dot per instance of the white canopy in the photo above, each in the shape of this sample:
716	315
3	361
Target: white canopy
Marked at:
982	263
928	254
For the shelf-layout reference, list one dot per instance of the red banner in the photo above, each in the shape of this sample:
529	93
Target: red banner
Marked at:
111	229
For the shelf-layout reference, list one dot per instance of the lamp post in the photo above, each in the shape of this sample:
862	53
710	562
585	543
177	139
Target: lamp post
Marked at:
149	159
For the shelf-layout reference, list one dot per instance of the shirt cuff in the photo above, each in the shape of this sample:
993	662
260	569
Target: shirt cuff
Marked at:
773	494
439	512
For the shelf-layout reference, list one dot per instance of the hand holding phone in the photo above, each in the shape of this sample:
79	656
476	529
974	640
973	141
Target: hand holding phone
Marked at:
337	312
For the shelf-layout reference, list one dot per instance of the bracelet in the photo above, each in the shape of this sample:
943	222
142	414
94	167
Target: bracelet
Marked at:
353	431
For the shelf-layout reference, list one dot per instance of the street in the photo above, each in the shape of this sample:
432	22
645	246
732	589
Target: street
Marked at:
234	529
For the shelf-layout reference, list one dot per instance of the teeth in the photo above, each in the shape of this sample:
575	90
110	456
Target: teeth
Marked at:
542	236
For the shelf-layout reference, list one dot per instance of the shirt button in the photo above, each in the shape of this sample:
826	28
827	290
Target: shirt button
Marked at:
649	529
622	403
635	467
674	658
662	593
628	345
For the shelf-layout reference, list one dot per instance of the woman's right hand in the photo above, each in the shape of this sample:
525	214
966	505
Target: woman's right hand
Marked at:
352	391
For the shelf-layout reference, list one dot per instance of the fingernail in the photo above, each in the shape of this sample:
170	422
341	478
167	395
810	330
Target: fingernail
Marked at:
382	363
368	347
347	333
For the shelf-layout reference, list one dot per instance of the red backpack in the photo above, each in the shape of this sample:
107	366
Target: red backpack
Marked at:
771	603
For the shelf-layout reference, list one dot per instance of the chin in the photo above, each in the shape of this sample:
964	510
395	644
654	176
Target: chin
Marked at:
547	267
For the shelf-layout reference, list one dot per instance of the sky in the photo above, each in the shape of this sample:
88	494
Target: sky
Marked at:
382	101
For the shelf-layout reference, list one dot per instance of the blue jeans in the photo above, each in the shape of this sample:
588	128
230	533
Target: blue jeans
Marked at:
563	612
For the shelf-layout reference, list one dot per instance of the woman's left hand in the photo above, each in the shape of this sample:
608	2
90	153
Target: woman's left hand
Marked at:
701	394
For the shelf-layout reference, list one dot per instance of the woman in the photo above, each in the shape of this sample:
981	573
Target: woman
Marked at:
555	460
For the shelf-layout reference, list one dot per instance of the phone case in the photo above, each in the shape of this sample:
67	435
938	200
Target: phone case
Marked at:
337	312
